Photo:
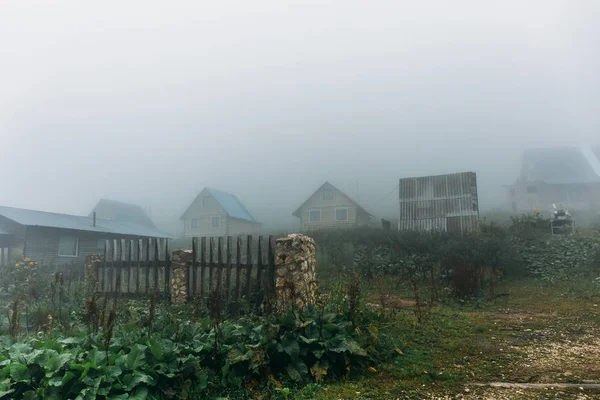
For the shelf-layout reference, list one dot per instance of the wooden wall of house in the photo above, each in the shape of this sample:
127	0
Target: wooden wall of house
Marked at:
527	196
328	207
328	217
17	230
204	211
242	227
42	245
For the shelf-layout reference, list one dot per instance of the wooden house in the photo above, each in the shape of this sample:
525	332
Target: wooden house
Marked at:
217	213
123	212
565	176
53	239
328	207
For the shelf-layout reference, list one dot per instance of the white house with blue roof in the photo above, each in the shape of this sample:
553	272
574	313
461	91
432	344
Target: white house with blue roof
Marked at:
217	213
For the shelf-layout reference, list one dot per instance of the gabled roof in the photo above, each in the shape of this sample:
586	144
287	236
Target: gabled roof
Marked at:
561	165
124	212
75	222
230	203
298	212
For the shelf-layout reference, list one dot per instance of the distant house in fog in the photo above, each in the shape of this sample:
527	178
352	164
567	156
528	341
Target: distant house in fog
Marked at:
52	238
123	212
329	207
217	213
567	176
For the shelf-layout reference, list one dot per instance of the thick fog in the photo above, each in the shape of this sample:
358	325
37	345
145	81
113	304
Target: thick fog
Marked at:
148	102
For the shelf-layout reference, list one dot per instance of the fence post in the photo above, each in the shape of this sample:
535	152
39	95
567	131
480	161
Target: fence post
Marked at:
167	270
147	277
220	265
140	245
259	272
238	273
192	273
249	261
202	265
296	273
228	277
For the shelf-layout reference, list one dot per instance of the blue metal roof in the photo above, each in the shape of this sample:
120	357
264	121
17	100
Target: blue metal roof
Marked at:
76	222
233	207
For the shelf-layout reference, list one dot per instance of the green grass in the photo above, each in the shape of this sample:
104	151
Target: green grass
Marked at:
487	341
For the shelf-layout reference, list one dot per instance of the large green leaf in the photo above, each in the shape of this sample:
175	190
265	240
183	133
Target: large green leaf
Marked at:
136	357
20	373
18	350
297	370
291	347
55	363
132	380
141	393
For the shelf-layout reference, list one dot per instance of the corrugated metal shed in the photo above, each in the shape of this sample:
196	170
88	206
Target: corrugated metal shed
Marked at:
75	222
232	205
439	203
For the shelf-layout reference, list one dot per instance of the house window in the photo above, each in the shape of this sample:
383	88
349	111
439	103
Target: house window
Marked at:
531	189
67	246
314	215
205	200
216	222
195	223
327	194
341	214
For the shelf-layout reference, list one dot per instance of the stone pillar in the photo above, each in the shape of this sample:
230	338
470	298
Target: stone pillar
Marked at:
296	283
180	259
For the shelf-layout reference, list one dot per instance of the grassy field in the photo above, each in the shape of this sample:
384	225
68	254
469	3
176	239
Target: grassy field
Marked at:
532	333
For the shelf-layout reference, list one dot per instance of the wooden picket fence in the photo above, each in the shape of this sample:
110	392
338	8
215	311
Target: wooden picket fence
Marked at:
140	268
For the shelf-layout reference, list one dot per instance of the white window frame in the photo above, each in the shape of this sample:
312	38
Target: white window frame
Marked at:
213	222
205	201
76	247
197	225
341	208
310	220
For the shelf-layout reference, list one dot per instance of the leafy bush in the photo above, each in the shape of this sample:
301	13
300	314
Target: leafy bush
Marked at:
313	344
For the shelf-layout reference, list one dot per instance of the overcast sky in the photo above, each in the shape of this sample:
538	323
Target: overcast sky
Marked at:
148	102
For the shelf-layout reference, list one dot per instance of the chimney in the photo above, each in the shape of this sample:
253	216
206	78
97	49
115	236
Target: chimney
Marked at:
94	223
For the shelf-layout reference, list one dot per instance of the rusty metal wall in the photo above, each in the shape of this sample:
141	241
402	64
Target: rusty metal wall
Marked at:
439	203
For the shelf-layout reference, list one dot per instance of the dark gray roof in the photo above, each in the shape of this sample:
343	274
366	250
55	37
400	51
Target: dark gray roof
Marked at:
123	212
76	222
562	165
